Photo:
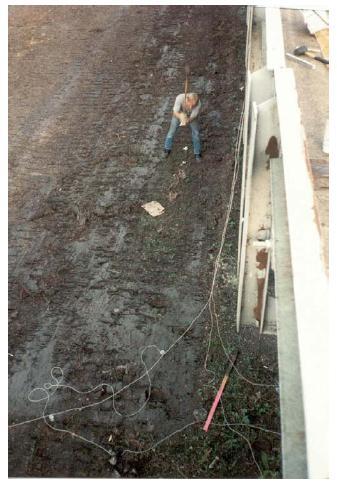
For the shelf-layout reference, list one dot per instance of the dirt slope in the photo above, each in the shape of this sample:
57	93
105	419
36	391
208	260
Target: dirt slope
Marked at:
93	278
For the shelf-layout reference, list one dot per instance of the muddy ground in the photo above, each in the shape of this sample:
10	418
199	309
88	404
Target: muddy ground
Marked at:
94	280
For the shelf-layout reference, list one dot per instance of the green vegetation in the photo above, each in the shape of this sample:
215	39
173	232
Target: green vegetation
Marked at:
251	447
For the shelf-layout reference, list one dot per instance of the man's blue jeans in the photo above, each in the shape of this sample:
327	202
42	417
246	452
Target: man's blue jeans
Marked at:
175	123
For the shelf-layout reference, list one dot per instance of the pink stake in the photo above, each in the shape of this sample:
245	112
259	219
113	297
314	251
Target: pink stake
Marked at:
218	395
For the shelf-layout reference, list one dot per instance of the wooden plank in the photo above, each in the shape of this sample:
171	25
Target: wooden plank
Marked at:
313	21
322	37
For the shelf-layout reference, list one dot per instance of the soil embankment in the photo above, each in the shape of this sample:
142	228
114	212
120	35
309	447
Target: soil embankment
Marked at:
94	279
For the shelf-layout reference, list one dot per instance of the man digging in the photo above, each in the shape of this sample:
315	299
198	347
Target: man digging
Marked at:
185	112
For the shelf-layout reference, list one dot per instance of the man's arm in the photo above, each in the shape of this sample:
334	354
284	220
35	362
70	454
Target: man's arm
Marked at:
181	116
195	112
177	109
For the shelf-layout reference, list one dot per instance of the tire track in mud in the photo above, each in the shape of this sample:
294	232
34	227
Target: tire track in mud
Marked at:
93	278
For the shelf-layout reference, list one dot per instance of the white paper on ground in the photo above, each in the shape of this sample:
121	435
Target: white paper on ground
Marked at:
154	208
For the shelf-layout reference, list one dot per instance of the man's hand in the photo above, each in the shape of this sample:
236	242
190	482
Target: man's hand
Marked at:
183	119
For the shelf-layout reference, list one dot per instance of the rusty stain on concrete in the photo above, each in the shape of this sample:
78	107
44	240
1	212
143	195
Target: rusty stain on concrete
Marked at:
261	265
272	148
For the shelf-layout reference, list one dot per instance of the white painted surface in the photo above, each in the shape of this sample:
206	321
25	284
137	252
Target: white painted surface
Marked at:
251	150
274	39
244	158
259	214
262	85
309	278
294	457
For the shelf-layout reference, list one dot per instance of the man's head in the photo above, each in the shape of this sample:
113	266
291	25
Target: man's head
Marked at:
191	100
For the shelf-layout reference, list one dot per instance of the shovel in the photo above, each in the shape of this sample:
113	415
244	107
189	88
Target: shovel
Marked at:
187	72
